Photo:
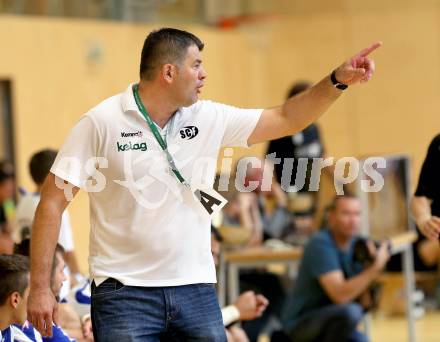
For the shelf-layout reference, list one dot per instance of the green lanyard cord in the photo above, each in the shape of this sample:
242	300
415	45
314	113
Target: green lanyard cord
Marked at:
154	130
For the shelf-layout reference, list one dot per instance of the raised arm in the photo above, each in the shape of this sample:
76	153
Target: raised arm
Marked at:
42	306
300	111
341	290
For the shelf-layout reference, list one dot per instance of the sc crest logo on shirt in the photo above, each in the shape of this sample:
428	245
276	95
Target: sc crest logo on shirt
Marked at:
188	132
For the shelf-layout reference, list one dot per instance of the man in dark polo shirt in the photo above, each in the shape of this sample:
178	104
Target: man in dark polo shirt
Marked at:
425	207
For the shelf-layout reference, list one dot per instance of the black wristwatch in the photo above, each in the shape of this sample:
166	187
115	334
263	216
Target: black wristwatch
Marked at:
336	83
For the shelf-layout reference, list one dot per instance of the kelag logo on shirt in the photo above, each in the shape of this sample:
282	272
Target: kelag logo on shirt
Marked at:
131	147
188	132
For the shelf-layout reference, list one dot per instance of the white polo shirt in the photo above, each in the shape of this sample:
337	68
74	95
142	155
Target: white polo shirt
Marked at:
143	231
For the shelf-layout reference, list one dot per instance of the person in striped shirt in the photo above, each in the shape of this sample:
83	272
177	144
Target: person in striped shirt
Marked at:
58	277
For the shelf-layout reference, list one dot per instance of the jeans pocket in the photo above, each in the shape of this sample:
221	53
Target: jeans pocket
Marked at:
107	287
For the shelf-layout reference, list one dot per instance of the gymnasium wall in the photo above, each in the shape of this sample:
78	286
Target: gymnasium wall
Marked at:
60	68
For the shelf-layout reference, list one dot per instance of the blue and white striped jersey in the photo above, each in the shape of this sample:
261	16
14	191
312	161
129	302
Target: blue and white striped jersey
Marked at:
58	335
13	334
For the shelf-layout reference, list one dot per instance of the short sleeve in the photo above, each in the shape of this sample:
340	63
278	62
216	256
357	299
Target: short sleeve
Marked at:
322	256
81	146
238	123
429	182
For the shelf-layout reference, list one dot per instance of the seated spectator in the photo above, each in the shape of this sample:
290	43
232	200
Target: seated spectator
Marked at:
265	207
263	212
235	231
7	207
329	295
14	291
39	167
248	305
67	328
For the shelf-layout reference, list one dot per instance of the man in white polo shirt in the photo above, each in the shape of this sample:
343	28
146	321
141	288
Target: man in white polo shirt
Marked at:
143	156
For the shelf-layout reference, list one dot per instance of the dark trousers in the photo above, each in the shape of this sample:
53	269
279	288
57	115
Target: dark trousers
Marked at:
332	323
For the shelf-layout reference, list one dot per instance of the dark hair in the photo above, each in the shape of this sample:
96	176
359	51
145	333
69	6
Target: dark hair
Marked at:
40	164
24	248
14	271
298	87
337	198
6	171
167	45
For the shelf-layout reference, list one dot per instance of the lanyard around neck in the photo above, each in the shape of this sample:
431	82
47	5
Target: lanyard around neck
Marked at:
162	142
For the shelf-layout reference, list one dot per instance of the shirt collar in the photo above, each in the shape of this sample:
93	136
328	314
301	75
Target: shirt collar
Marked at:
128	101
129	105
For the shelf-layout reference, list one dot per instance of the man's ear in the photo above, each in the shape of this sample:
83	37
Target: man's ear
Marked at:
169	72
14	299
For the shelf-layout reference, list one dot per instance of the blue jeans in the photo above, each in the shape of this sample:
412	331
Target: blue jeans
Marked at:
176	313
336	322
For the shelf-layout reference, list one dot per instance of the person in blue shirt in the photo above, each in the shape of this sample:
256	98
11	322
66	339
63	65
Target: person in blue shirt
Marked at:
57	279
13	334
14	291
58	335
328	299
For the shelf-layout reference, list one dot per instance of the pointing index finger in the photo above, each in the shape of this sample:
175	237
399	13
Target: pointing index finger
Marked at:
365	52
